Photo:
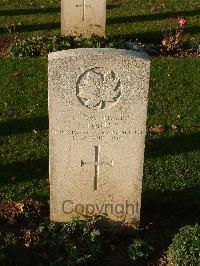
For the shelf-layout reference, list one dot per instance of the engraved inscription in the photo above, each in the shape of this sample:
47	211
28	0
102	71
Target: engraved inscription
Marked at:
98	90
97	163
99	127
84	8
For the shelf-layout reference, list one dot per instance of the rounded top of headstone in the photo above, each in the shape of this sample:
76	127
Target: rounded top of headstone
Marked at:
97	51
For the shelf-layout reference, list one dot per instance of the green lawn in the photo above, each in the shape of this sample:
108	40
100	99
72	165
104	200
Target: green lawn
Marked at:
171	158
137	18
23	129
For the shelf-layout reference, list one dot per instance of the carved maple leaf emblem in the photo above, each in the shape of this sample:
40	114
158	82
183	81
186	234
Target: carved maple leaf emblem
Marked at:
98	90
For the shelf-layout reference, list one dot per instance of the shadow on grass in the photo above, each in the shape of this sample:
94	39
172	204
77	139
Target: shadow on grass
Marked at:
16	126
112	6
152	17
163	213
173	145
154	36
149	36
31	28
21	171
29	11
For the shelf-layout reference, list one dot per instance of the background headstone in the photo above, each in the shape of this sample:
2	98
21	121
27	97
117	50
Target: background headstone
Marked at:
83	17
97	113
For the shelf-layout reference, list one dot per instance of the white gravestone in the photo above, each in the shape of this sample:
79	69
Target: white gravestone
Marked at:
97	114
83	17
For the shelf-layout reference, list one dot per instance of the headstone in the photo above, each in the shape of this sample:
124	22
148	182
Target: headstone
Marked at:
83	17
97	113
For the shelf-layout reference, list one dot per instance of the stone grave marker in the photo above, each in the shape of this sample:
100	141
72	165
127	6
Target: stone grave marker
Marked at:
97	115
83	17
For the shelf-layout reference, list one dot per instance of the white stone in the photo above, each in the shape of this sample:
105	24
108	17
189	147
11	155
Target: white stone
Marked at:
83	17
97	115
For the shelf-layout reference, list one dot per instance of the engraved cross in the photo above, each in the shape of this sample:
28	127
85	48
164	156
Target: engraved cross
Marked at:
97	163
84	7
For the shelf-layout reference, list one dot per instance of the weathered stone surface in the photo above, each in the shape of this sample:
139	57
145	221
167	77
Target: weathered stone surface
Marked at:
83	17
97	114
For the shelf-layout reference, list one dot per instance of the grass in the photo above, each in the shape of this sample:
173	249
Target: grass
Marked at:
142	19
23	129
147	19
171	158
